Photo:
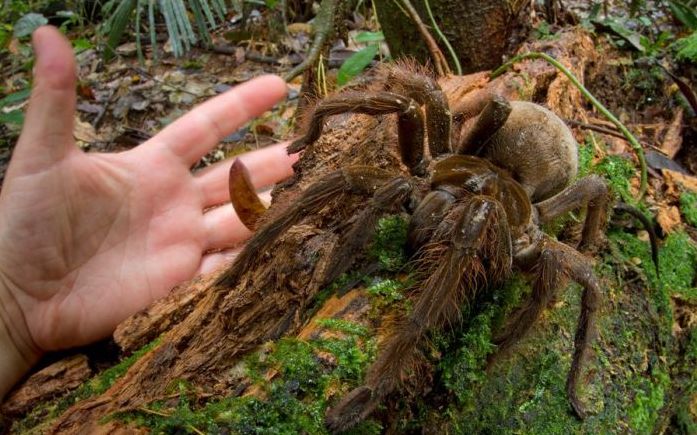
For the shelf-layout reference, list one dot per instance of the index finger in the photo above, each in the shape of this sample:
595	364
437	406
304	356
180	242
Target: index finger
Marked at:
194	134
266	166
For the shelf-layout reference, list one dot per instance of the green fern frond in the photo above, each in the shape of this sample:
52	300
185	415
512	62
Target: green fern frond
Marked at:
182	30
117	24
687	48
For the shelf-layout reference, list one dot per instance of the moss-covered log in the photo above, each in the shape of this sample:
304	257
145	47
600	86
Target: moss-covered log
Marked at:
479	30
271	354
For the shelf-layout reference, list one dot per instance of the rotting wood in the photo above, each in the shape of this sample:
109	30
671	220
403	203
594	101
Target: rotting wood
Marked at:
207	330
58	378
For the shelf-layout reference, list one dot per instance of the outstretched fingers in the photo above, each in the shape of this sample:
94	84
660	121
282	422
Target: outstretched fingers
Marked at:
194	134
266	167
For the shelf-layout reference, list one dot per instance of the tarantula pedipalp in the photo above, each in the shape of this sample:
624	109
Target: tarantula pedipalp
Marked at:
475	215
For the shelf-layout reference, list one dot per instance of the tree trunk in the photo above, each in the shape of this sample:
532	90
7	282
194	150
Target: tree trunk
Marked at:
479	31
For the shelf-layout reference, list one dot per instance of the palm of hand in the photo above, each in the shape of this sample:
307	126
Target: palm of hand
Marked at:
120	234
91	238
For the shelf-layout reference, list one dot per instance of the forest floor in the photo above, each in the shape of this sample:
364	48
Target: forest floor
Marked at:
643	378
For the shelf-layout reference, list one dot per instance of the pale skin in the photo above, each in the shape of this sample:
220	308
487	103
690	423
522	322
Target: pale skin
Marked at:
89	239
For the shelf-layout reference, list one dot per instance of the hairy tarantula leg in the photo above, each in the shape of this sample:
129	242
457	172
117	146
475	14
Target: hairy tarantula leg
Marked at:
243	197
413	80
455	257
591	191
358	179
363	228
490	120
410	121
557	261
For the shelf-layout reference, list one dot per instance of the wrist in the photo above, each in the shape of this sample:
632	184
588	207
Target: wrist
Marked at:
18	353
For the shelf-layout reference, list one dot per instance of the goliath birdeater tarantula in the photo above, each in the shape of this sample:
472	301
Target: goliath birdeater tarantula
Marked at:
476	207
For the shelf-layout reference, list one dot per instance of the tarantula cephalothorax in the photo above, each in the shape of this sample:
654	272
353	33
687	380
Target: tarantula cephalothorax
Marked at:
476	210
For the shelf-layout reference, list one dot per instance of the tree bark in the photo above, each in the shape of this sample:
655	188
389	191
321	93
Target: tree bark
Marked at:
479	30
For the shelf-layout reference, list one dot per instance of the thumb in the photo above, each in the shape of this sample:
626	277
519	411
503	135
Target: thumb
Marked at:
47	134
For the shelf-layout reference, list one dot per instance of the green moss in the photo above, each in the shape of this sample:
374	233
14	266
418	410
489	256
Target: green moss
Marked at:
678	263
644	411
617	171
677	259
466	366
108	377
351	357
516	395
685	422
388	290
685	416
464	369
389	242
295	360
344	326
691	347
688	207
585	158
647	79
525	392
627	248
48	411
294	401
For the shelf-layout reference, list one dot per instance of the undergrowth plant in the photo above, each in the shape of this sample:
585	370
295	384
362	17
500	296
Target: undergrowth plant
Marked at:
184	31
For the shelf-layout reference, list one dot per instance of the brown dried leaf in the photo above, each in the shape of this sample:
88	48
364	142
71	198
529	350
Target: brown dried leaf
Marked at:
14	47
297	28
85	132
85	90
673	137
266	129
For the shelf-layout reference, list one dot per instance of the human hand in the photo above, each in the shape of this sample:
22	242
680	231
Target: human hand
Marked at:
89	239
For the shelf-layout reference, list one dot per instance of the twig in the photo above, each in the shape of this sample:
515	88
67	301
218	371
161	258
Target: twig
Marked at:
324	30
597	128
100	116
439	63
597	104
451	50
153	412
162	82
